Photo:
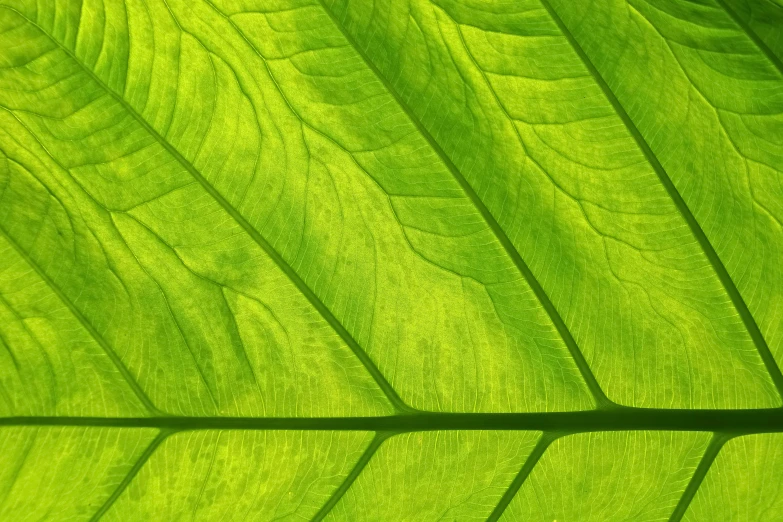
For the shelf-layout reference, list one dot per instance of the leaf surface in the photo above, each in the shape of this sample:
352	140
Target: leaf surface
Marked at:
415	260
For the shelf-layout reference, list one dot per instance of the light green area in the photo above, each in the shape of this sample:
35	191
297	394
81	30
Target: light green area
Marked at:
64	473
449	475
744	482
347	208
240	475
627	476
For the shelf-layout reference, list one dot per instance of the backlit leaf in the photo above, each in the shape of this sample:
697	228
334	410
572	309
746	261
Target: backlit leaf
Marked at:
391	260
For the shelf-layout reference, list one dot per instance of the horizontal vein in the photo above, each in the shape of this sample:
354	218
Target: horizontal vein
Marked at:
115	359
753	36
766	420
372	369
674	194
717	442
576	354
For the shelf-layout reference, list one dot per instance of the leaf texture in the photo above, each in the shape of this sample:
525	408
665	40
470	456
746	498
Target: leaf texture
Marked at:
391	260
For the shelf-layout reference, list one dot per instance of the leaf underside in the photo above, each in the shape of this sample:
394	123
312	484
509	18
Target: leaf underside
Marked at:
377	260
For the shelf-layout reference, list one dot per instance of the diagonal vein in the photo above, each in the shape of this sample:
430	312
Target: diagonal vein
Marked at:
530	463
576	354
694	226
142	460
714	447
115	359
308	293
352	476
753	36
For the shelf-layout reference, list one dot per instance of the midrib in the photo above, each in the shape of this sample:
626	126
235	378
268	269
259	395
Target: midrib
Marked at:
734	422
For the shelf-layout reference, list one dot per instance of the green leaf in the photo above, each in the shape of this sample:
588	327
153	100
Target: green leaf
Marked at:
391	260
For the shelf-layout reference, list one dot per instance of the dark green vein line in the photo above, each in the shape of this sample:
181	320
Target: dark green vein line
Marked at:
131	475
372	369
690	219
115	359
530	463
767	420
717	442
602	401
753	36
353	475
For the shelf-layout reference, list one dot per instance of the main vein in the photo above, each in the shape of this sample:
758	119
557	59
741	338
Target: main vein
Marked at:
694	226
765	420
576	354
301	285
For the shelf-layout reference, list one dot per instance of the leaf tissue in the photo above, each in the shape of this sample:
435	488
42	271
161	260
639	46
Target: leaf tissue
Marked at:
391	260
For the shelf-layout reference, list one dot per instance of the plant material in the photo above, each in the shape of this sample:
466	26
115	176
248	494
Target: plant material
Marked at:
391	260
